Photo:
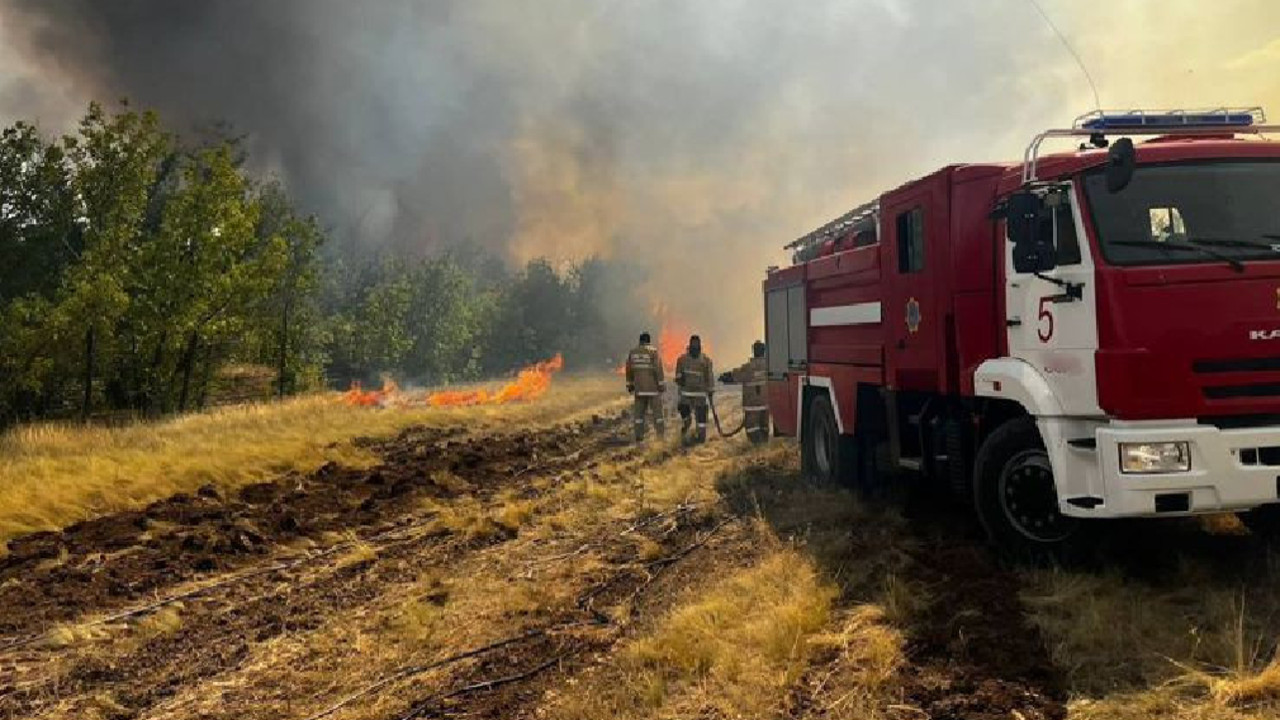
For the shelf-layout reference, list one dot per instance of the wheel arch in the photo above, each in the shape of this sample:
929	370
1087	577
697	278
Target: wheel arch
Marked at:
1018	382
811	387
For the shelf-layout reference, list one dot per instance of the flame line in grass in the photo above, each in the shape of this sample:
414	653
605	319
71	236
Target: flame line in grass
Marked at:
530	384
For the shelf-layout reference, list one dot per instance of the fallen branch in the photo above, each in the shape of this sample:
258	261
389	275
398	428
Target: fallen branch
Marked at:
680	509
419	669
584	603
486	685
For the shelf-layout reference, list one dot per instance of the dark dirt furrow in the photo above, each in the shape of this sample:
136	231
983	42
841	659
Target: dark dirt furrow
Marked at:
100	565
973	654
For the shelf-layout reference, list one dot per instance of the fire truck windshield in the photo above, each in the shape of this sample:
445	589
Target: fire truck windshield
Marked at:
1221	210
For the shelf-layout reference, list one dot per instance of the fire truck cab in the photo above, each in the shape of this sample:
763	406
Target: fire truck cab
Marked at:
1088	334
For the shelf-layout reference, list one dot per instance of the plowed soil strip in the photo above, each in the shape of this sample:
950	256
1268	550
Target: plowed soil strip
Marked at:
224	625
97	566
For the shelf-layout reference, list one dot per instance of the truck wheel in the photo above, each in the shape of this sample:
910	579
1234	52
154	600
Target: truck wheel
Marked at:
827	455
1015	495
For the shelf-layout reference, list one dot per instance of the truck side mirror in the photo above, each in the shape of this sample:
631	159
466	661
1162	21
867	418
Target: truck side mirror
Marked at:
1033	249
1121	162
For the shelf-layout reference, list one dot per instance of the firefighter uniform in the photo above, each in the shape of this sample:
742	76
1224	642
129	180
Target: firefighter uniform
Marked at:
696	381
646	383
753	375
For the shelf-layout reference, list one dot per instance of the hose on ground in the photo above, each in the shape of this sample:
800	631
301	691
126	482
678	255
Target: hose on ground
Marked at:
712	402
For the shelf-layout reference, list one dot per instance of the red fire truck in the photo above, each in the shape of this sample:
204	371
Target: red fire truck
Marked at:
1087	334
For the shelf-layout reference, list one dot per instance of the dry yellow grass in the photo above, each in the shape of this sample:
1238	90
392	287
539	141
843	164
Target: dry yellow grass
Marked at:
1185	651
738	648
863	655
54	475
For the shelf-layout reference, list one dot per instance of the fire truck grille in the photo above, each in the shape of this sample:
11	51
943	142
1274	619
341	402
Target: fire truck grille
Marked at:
1263	456
1262	364
1229	392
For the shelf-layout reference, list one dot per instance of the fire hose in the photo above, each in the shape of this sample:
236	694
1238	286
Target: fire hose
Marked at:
711	401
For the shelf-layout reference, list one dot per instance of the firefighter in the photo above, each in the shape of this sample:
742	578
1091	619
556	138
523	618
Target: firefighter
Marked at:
755	410
696	381
646	383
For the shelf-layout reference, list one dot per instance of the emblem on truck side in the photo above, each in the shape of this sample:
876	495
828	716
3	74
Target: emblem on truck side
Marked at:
1264	334
913	315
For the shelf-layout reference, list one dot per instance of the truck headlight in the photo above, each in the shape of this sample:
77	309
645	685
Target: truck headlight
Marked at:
1165	457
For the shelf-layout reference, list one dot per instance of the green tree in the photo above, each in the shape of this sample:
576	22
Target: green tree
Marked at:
116	161
294	342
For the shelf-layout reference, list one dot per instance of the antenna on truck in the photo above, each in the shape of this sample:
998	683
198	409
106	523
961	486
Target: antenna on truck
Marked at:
1097	102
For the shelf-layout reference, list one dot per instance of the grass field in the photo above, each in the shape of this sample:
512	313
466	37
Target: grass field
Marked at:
54	475
540	565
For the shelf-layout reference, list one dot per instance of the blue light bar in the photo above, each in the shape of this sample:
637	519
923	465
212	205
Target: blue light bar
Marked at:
1173	120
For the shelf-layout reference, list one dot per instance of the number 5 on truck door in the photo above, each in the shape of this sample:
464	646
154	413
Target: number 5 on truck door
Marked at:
1044	330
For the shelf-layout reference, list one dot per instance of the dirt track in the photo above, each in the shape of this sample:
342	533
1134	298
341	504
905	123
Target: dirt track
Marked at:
407	591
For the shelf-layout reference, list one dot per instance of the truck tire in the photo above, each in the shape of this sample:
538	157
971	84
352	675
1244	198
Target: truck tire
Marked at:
827	456
1015	496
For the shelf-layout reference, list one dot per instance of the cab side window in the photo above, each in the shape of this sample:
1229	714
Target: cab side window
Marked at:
1064	236
911	241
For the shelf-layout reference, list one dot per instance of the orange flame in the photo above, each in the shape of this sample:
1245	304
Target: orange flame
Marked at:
530	384
359	397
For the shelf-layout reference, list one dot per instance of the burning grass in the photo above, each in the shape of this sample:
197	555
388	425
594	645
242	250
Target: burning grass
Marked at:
54	475
530	383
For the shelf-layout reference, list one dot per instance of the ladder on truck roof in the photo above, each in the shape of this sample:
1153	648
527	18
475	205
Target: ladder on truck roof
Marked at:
1098	124
861	214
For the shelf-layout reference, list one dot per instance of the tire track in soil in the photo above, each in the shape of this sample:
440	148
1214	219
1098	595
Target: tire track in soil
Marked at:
972	653
219	630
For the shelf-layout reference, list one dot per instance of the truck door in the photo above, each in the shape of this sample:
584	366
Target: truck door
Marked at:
787	352
1052	318
913	316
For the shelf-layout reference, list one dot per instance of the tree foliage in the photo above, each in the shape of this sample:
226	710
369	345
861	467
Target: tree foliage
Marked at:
134	268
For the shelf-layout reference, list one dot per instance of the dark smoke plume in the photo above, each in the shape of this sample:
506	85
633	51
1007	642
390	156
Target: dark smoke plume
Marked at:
692	138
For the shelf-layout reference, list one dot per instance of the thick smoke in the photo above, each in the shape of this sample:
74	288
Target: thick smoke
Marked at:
692	138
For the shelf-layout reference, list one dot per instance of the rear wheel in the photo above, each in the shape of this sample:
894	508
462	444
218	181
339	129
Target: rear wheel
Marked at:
827	456
1015	494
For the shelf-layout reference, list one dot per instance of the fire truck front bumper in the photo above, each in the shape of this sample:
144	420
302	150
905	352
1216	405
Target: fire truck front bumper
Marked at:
1147	469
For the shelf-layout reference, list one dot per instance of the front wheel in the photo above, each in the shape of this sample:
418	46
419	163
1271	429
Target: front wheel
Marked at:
1015	494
